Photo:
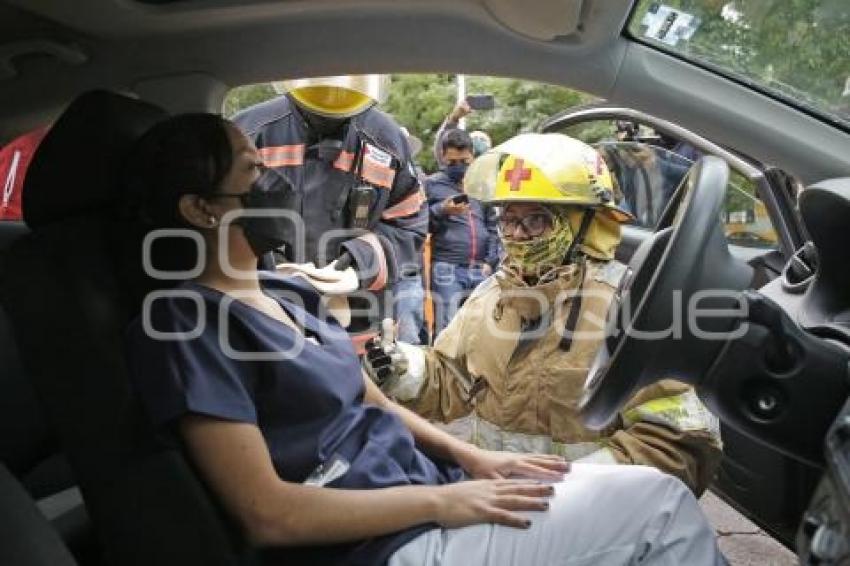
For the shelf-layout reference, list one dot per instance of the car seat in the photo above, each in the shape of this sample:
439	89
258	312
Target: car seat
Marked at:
26	537
68	294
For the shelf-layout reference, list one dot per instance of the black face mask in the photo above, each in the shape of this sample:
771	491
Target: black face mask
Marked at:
271	191
456	171
323	127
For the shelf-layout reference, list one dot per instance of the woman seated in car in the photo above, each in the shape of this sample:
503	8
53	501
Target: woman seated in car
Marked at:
311	458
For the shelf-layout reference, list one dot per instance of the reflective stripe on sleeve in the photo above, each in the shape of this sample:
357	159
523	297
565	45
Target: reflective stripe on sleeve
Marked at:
601	456
408	206
378	175
683	412
345	161
381	278
487	435
282	155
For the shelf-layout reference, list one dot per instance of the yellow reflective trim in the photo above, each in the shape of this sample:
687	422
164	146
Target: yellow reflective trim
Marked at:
664	405
680	412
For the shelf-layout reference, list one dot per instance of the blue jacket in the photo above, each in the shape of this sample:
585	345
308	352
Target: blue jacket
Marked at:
373	151
460	239
305	398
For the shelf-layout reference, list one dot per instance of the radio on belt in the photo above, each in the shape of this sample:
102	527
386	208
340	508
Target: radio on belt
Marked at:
359	203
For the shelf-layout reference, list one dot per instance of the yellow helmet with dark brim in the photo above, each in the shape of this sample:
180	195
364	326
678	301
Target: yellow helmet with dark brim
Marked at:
544	168
341	96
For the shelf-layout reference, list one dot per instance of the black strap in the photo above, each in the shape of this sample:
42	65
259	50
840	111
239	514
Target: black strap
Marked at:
575	245
478	385
570	325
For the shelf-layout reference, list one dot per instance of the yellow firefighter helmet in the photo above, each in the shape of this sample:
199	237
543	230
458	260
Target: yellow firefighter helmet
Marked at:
544	168
341	96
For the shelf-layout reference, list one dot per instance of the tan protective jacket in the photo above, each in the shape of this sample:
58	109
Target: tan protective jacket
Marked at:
504	397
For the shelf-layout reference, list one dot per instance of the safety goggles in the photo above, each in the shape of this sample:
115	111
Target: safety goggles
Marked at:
533	225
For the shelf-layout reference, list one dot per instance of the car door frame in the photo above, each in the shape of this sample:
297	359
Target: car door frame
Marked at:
777	200
738	484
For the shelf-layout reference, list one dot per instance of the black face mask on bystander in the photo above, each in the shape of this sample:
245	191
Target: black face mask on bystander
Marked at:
456	171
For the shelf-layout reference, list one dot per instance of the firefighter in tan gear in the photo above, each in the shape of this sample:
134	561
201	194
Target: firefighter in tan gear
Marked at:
508	371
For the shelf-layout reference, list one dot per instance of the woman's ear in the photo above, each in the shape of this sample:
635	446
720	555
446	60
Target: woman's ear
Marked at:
195	211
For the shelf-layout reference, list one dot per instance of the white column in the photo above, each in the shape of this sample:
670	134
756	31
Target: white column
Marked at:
461	94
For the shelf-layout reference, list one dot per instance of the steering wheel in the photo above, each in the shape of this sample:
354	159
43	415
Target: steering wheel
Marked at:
675	304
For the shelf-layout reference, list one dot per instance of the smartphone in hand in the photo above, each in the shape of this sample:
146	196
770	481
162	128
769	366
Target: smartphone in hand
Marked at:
481	101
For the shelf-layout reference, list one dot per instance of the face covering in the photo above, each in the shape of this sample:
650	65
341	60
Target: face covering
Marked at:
538	256
324	126
456	171
479	146
270	192
602	236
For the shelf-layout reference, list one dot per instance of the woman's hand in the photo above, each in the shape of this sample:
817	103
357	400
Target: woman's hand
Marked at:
487	501
488	464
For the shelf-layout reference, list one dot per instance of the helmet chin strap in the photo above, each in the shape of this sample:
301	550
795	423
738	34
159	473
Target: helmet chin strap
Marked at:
575	245
570	256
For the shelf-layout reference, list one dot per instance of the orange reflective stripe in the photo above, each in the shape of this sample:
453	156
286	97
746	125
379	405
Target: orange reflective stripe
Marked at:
410	205
282	155
381	278
345	161
378	175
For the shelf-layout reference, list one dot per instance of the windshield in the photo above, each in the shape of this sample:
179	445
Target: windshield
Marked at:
796	50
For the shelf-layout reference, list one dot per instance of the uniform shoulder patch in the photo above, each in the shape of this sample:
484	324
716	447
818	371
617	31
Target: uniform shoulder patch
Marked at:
377	155
611	273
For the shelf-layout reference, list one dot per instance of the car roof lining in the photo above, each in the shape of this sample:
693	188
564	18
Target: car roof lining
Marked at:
185	56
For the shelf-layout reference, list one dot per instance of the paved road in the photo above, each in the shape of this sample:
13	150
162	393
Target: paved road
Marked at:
743	543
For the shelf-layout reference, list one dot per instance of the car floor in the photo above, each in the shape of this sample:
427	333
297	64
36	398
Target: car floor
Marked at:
742	542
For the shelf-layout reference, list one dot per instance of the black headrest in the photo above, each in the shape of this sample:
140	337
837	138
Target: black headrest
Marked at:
77	167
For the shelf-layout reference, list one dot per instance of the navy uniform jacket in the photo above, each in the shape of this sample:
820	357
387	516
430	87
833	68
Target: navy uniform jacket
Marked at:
460	239
305	394
373	152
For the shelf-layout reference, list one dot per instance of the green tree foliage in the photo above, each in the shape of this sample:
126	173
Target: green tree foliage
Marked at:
243	97
797	47
520	105
421	103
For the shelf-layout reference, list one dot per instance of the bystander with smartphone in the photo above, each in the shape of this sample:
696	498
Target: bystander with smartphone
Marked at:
464	239
481	141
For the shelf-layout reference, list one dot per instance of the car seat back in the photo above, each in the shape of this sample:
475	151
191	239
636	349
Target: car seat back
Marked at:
26	538
64	290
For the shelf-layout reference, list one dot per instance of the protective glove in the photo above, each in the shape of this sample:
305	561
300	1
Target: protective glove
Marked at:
384	361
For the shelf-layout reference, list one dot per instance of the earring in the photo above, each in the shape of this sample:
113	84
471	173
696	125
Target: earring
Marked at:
213	220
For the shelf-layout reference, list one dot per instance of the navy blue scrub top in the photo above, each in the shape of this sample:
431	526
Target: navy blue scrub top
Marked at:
308	407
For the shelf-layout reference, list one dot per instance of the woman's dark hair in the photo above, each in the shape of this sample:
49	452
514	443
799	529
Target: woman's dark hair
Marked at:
185	154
